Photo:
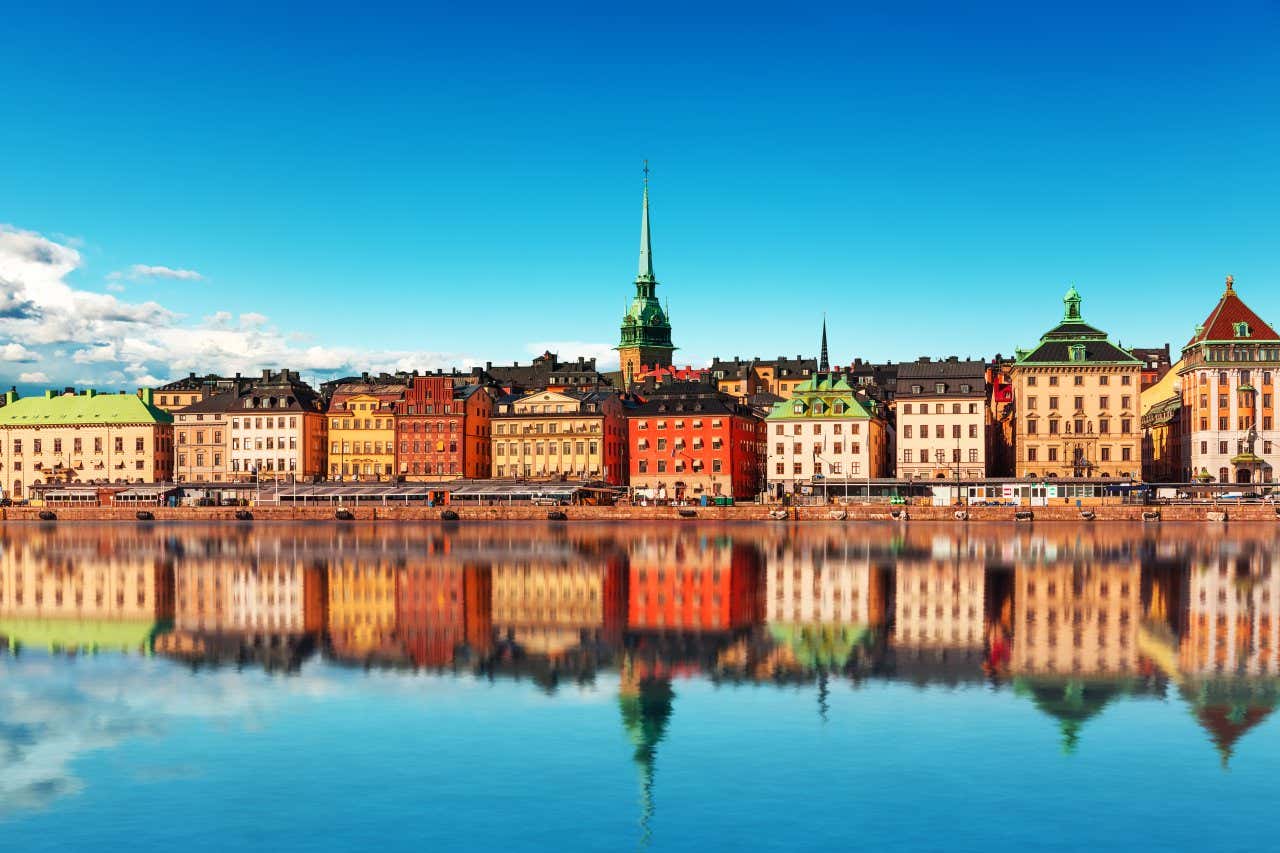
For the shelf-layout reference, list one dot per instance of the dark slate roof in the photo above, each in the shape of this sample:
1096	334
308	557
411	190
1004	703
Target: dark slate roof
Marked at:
192	382
691	398
1094	351
1074	330
952	374
290	394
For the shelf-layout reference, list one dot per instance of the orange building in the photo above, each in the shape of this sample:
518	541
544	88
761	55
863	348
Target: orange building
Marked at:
693	583
442	606
443	430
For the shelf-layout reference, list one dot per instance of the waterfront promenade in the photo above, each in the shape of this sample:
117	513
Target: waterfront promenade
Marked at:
1243	513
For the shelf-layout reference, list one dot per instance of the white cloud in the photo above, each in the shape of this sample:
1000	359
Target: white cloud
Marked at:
84	334
36	376
141	272
605	355
115	287
16	352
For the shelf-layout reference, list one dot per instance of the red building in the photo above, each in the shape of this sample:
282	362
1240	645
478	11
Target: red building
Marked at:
693	583
688	440
443	430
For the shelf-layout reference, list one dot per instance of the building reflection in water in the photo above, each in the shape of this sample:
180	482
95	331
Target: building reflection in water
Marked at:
1074	618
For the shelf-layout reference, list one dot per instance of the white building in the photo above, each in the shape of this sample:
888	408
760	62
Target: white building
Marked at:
943	419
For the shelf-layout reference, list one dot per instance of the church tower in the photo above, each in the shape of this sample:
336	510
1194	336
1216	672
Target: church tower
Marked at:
646	330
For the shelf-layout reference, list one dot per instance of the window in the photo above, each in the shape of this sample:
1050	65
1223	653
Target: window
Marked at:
906	408
1031	381
1053	381
1031	427
1104	379
1031	454
1077	380
1105	454
1053	454
906	431
1126	454
1053	403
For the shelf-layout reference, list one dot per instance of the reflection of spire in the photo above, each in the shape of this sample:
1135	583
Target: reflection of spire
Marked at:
646	703
1072	703
1227	709
823	707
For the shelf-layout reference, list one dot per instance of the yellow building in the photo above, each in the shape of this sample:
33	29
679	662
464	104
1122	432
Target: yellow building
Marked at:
362	607
561	434
202	442
1076	396
362	432
83	438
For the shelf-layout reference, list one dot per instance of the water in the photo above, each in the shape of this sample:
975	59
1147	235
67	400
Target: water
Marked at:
663	687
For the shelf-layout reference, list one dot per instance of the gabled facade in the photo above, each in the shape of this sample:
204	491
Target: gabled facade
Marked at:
561	435
1076	397
442	430
942	419
826	433
362	431
1228	373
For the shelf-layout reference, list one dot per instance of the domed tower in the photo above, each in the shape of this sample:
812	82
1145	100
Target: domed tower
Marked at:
646	329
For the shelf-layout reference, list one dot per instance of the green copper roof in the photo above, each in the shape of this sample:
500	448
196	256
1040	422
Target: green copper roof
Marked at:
89	634
75	409
645	323
819	396
820	645
1073	341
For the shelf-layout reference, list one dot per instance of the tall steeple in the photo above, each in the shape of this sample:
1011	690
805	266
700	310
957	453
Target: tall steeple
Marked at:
824	364
646	251
645	339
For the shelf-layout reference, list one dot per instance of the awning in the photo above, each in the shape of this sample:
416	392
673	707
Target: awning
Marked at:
70	494
146	492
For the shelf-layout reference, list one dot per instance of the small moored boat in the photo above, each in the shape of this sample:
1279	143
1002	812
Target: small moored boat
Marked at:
688	513
1024	515
837	515
900	515
244	515
1151	515
48	515
448	515
144	515
557	515
1217	515
344	515
778	514
1087	515
962	515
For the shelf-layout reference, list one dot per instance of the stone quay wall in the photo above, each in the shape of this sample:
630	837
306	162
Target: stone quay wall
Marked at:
746	512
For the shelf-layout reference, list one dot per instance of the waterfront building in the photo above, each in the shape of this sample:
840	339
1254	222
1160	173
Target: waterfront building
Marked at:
940	605
827	582
362	607
825	434
1162	427
176	395
1076	395
362	430
942	419
443	431
561	435
272	428
645	340
1228	373
81	438
1233	620
1002	418
689	440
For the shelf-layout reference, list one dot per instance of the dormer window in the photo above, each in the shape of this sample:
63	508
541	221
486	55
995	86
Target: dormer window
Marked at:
1076	352
916	389
965	389
818	408
1241	329
798	408
940	388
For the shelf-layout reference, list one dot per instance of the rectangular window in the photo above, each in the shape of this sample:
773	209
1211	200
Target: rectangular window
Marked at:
1125	454
1031	454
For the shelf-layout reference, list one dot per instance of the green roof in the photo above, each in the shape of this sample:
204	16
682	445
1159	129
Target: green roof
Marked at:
91	634
77	409
825	389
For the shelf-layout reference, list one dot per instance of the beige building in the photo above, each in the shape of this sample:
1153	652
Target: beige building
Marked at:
561	435
83	438
1077	401
940	604
202	442
823	582
942	419
1077	619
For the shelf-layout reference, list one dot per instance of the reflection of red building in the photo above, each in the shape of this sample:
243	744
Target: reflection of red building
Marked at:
691	583
441	607
442	430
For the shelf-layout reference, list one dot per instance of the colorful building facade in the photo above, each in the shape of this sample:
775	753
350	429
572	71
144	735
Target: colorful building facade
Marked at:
1076	395
942	419
443	431
1228	372
688	440
362	431
82	438
558	435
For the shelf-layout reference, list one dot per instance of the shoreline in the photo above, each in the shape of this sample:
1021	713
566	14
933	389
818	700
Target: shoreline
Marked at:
753	512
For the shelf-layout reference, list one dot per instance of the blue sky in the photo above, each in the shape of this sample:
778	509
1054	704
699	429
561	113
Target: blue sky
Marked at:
389	187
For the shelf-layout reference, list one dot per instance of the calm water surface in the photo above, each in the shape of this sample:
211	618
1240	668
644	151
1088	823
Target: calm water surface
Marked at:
664	687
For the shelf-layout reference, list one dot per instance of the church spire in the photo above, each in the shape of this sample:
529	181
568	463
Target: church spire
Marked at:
646	253
824	364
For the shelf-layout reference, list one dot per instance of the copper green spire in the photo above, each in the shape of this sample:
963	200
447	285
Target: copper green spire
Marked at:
646	251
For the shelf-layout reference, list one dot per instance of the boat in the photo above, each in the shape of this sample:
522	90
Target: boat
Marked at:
144	515
778	514
244	515
962	515
1217	515
1151	515
448	515
1087	515
837	515
1024	515
48	515
688	513
344	515
557	515
900	515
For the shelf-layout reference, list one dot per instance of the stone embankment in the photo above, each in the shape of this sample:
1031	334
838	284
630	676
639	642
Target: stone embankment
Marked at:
744	512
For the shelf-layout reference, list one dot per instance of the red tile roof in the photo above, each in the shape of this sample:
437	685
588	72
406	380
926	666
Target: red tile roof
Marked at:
1220	325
